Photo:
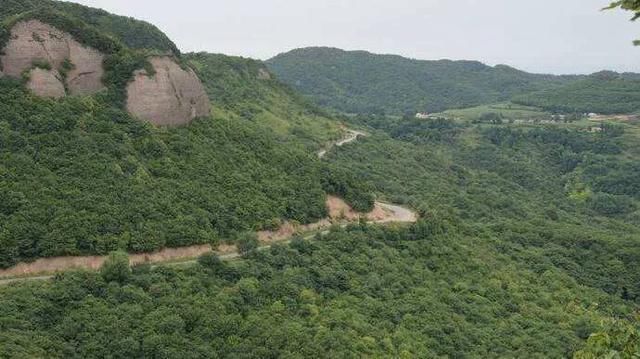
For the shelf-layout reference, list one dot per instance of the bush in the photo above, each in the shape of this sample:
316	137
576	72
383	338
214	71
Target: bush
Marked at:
210	260
247	243
344	184
116	268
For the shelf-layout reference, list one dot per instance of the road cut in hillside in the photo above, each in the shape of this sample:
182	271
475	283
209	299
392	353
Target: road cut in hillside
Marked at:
351	136
340	214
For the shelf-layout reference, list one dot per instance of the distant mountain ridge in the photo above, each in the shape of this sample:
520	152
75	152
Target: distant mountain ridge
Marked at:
359	81
363	82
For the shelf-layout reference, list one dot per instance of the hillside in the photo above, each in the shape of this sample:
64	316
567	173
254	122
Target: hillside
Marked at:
134	33
244	88
525	245
509	259
605	93
81	175
361	82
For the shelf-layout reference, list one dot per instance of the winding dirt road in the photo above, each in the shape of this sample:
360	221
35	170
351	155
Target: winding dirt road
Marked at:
352	135
340	213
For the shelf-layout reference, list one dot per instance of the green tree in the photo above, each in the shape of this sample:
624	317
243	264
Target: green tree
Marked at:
629	5
116	268
620	341
247	243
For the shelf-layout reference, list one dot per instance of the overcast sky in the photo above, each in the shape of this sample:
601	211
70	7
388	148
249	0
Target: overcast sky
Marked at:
550	36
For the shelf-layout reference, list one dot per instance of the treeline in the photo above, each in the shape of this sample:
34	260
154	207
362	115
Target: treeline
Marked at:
364	291
411	129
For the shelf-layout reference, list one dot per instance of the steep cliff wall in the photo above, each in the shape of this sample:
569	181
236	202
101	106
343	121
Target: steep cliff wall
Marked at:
36	42
57	65
170	96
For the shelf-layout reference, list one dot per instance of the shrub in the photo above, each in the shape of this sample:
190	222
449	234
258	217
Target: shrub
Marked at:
116	268
247	243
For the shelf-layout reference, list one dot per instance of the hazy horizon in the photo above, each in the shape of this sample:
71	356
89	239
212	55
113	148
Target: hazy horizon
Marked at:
574	37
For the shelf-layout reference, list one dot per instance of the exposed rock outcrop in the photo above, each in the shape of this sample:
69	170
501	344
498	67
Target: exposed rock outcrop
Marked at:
58	65
34	41
170	96
46	83
264	74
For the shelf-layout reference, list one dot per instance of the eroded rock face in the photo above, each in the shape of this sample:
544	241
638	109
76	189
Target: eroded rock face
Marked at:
33	41
264	74
171	96
46	83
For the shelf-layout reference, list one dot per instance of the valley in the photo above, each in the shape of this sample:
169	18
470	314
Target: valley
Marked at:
324	203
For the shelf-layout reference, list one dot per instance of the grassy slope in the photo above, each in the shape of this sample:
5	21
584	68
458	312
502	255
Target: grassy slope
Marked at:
243	88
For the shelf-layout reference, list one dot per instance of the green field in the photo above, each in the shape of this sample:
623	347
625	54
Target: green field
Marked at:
507	110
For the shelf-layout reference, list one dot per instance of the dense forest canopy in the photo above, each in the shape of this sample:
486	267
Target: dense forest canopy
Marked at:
81	176
427	291
526	246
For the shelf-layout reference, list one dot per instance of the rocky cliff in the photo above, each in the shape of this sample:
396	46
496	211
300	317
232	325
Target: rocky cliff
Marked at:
170	96
64	63
57	65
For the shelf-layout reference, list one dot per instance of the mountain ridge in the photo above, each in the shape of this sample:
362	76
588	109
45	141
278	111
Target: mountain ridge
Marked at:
360	81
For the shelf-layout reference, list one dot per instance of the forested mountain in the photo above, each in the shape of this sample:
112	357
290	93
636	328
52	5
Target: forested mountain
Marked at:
361	82
527	245
527	241
80	175
604	92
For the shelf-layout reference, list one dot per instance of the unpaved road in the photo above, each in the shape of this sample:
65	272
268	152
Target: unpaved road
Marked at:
352	135
340	212
400	214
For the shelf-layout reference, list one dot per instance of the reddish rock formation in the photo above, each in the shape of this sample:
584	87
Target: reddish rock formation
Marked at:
33	41
46	83
171	96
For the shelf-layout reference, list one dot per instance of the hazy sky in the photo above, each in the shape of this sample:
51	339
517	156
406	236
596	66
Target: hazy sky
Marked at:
556	36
